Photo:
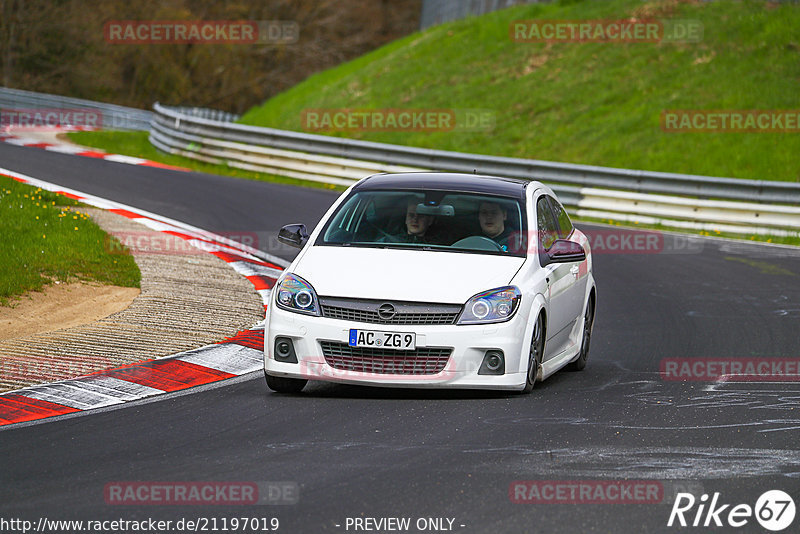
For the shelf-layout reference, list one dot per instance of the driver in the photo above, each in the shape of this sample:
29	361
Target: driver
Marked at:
417	226
492	218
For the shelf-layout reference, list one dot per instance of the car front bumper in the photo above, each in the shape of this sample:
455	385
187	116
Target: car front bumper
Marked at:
468	344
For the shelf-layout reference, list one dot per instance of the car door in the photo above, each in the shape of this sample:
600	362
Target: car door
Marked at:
577	291
561	282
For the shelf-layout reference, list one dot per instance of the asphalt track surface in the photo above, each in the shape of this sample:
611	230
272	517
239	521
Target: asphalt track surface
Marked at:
368	452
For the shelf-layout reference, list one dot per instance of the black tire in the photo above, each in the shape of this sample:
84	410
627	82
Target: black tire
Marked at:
285	385
535	354
588	323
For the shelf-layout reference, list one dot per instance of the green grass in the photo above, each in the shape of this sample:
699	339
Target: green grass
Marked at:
590	103
47	237
137	144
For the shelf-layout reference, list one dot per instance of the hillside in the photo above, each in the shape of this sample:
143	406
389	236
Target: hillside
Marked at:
64	48
592	103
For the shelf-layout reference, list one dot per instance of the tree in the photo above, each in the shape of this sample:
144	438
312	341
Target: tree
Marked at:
58	46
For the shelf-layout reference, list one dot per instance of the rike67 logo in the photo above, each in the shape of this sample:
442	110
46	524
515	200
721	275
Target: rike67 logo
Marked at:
774	510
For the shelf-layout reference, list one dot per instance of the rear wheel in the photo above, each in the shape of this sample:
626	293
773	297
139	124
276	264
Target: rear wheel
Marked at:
588	322
535	354
285	385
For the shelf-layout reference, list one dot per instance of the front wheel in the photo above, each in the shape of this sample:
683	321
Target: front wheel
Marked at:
588	322
535	355
285	385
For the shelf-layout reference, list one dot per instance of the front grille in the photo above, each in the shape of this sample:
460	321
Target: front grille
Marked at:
364	316
407	313
421	361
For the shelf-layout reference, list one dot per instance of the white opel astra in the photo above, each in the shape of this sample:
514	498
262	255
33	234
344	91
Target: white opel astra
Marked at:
433	280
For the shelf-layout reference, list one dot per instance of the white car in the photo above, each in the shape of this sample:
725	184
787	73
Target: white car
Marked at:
433	280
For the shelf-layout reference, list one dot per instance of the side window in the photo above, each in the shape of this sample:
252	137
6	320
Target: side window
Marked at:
564	224
546	223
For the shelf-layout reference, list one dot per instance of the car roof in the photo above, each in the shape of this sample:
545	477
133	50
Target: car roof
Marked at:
445	181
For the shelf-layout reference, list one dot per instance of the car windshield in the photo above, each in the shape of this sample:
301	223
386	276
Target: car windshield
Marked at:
429	220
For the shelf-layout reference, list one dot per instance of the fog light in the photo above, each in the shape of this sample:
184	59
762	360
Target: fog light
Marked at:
284	350
494	363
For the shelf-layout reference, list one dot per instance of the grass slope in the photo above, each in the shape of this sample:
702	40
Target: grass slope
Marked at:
46	237
591	103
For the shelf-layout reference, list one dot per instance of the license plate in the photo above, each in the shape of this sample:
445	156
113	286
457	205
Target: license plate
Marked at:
386	340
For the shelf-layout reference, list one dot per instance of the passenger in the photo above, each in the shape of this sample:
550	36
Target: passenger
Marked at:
493	223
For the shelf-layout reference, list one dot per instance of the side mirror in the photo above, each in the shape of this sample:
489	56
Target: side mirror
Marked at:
294	235
565	251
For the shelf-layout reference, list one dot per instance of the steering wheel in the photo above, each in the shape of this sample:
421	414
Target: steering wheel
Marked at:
478	242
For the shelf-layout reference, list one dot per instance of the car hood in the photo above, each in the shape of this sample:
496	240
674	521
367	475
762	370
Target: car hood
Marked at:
405	275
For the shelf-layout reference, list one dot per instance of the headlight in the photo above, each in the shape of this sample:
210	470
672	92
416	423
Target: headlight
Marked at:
493	306
296	295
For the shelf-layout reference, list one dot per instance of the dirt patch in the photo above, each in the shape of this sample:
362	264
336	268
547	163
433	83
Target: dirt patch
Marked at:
187	301
663	8
63	306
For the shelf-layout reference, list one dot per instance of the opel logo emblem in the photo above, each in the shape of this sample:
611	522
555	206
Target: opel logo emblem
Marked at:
386	311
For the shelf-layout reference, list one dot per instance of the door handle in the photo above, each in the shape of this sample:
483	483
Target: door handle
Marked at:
574	269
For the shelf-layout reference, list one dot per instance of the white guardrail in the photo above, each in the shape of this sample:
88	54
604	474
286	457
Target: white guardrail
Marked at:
676	200
110	116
